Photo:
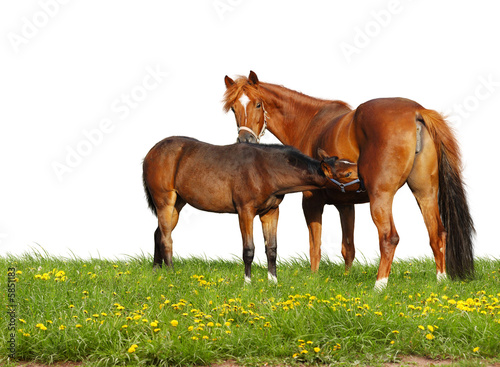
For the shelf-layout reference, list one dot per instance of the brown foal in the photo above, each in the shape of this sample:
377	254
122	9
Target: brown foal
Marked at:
246	179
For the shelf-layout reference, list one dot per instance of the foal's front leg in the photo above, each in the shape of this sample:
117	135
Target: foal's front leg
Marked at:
270	228
246	226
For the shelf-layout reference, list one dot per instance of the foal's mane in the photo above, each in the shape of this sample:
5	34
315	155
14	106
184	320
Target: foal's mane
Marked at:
294	156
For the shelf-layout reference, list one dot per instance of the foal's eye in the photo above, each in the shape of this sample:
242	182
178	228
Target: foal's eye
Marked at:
348	174
258	105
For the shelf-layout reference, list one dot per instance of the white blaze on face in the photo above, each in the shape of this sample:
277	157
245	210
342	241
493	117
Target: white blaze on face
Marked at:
244	100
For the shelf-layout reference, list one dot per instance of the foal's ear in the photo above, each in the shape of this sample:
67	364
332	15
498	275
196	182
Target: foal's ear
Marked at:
252	78
229	82
322	154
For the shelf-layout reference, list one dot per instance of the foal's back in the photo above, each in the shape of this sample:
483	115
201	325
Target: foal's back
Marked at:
206	176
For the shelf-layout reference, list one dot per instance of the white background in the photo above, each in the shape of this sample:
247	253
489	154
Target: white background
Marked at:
65	67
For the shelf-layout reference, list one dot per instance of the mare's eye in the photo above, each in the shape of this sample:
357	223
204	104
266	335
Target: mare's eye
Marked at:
348	174
232	109
258	105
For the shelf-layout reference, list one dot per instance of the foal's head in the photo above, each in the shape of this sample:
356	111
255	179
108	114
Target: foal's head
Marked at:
342	170
243	97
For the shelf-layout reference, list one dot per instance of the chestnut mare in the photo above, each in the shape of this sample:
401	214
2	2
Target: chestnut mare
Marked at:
246	179
394	141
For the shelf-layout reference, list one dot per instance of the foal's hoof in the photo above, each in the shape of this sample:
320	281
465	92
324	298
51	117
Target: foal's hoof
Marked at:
272	278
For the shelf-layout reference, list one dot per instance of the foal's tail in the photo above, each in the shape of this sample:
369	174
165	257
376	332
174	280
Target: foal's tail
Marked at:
149	198
452	199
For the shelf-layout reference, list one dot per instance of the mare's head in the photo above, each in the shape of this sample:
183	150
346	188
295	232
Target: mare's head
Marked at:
244	98
340	170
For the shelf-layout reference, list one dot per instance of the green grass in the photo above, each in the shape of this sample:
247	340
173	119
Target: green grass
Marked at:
201	312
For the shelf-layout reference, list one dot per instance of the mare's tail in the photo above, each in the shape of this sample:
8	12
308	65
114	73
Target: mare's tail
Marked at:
452	198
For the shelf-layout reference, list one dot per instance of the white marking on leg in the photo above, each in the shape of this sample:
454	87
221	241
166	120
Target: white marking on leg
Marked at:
380	284
248	280
441	276
272	278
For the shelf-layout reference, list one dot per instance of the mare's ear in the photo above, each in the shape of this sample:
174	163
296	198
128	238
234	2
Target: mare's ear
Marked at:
252	78
322	154
229	82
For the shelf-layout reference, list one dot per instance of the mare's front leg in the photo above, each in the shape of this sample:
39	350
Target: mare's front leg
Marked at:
245	217
312	204
270	229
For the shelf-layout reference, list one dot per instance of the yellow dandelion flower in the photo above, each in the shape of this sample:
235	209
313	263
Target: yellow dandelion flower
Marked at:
228	331
295	355
22	320
392	341
475	350
156	330
317	349
78	326
431	328
429	336
124	326
174	323
421	327
395	332
62	327
154	324
132	348
41	326
304	351
210	324
227	323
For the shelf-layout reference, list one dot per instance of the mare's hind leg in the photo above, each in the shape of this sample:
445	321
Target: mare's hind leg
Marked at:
381	211
313	203
347	221
269	228
424	183
168	216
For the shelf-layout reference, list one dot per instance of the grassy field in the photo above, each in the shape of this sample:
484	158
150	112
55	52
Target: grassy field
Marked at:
107	313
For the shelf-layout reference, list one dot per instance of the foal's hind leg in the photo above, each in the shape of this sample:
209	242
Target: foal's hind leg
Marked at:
269	228
168	216
157	260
